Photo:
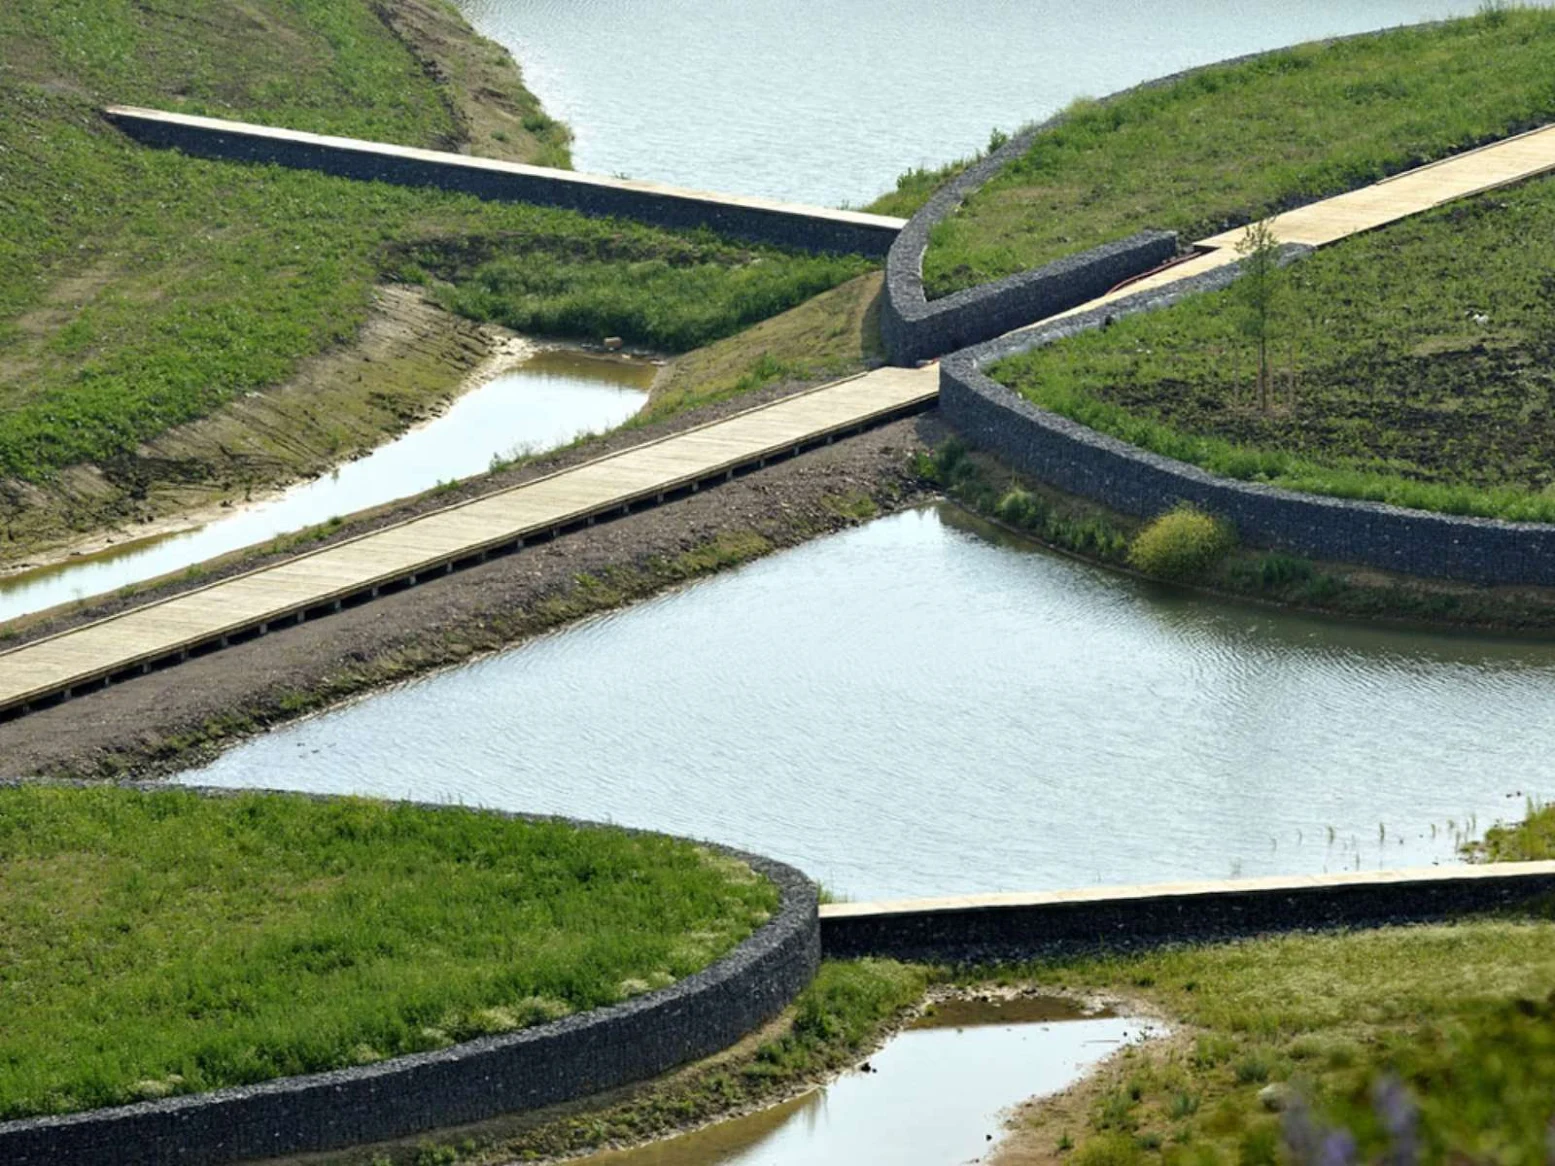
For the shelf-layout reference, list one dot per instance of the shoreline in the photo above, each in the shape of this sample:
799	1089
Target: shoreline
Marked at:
178	719
169	721
504	356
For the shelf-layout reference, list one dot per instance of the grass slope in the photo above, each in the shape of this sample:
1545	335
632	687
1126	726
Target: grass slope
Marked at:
1454	1023
1460	1015
141	289
169	943
1235	142
834	335
1423	357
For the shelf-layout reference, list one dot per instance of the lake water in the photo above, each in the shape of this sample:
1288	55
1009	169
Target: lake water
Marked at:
826	102
918	707
546	402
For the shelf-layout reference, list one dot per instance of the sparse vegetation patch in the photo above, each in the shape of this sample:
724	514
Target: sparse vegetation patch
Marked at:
1411	365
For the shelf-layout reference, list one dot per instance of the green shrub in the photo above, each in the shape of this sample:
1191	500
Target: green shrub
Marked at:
1181	544
1108	1150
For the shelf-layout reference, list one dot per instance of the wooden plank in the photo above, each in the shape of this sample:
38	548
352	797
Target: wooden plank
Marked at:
430	541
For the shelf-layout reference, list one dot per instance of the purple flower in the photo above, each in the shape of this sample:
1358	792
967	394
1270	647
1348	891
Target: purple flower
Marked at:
1399	1115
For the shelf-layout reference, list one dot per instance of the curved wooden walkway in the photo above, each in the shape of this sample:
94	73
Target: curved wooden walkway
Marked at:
359	569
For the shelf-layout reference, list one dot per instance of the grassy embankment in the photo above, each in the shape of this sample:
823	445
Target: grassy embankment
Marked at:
1413	367
141	291
1237	142
844	1013
1098	534
167	943
1462	1016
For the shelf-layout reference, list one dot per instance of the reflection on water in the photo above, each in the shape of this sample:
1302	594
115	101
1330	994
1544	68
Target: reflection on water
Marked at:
548	401
936	1094
911	708
827	103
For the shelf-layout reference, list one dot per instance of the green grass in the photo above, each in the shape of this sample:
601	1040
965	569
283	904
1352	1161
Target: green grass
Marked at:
168	943
1460	1014
1531	840
673	303
1421	358
140	289
842	1014
1236	142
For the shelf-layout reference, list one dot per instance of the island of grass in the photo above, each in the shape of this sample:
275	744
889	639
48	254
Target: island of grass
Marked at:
1414	365
1240	141
142	290
167	942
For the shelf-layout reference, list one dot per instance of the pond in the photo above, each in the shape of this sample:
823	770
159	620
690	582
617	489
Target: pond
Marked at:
936	1094
827	103
920	706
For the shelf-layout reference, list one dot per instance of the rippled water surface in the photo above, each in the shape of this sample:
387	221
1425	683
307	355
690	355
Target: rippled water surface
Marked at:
915	708
549	400
937	1094
827	102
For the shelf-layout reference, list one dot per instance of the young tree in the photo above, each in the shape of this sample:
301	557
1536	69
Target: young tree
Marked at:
1259	291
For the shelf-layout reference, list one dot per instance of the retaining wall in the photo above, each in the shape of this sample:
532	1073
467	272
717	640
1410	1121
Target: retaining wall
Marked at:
913	329
534	1067
756	220
1093	465
991	928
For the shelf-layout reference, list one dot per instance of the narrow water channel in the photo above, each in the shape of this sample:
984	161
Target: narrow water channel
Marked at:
546	402
827	103
936	1095
920	707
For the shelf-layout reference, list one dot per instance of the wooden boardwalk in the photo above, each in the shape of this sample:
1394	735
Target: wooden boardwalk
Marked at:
322	581
1410	193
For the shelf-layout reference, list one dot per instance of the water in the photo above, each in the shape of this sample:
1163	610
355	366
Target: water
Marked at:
915	708
937	1095
546	402
827	102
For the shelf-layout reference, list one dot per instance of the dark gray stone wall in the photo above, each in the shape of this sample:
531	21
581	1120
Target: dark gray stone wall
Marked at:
913	329
770	226
570	1058
1093	465
991	934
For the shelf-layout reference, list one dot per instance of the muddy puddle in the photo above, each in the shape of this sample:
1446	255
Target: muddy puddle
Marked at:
938	1094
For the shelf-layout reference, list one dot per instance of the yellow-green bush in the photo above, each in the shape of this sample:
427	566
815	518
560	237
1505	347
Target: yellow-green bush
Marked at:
1181	544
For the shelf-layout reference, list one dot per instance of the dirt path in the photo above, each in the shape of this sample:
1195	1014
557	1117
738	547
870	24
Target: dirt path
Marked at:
171	719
